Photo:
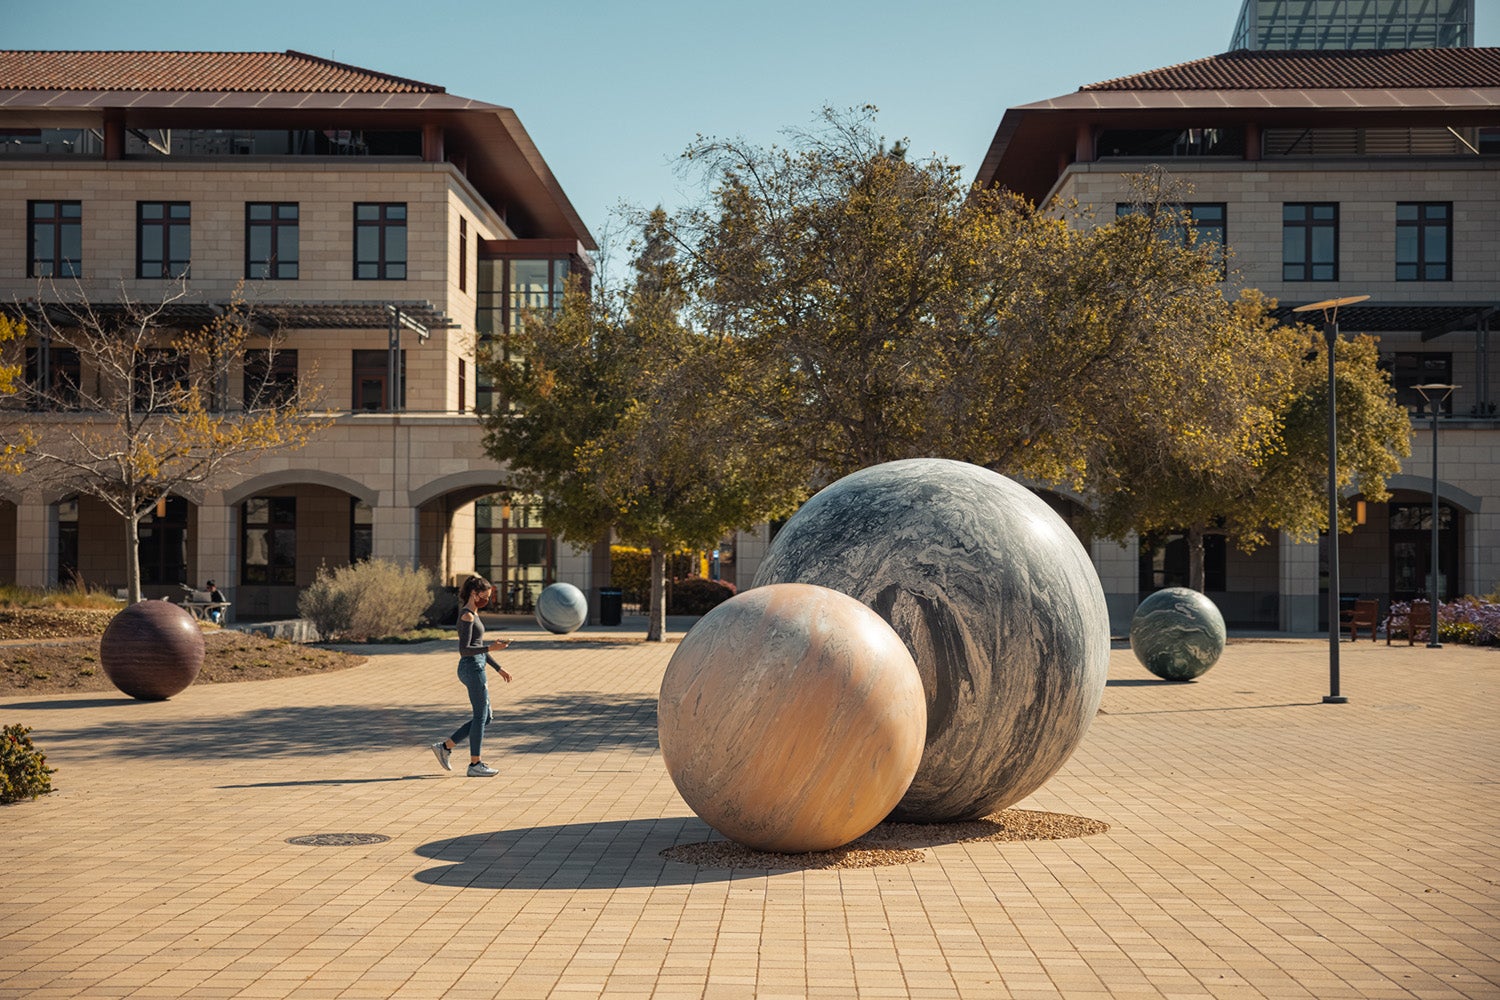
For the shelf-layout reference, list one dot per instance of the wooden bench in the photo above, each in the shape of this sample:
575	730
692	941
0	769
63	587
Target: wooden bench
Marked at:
1417	619
1363	615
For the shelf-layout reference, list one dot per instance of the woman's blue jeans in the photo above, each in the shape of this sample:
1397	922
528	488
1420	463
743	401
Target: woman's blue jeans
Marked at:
471	670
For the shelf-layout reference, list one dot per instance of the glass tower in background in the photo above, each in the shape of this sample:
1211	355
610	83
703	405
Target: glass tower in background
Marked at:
1354	24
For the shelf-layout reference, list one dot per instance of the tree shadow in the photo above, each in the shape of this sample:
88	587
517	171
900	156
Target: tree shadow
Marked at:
37	706
618	854
576	722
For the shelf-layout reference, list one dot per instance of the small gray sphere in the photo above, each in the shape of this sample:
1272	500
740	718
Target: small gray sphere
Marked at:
997	601
1177	634
561	608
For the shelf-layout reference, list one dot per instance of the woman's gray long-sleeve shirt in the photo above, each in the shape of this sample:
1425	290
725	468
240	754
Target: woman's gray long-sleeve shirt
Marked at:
471	640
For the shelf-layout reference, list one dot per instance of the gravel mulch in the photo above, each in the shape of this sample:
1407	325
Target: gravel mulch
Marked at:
893	843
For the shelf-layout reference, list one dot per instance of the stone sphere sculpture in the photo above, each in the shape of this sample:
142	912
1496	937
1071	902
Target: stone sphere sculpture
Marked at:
152	650
791	718
1177	634
561	608
997	601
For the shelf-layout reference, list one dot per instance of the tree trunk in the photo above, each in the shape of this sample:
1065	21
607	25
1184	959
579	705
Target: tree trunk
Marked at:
1195	557
133	558
656	626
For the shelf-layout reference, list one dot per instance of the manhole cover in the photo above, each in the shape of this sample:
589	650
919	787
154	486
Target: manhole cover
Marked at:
338	839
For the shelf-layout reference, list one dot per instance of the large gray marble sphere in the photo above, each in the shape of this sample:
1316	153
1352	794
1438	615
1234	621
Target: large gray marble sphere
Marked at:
1177	633
997	602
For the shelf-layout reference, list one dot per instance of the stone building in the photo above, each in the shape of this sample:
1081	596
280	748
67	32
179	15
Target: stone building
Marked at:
383	224
1325	174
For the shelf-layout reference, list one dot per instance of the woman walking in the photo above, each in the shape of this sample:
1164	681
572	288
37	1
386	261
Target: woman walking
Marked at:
473	653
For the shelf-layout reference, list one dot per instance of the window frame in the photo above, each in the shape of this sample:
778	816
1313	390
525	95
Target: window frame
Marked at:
58	222
277	226
364	367
384	225
279	525
1421	225
1308	226
167	224
268	378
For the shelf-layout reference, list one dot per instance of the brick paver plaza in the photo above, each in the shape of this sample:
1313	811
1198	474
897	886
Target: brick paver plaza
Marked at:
1260	844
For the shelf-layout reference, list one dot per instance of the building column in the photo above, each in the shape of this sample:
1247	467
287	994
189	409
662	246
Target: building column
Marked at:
1298	585
395	532
1119	567
217	551
36	542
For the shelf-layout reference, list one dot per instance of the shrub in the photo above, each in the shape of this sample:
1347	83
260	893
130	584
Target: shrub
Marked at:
1468	620
24	773
630	570
697	595
443	611
365	599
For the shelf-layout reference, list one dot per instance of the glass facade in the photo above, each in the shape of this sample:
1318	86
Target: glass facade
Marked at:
1354	24
508	289
512	549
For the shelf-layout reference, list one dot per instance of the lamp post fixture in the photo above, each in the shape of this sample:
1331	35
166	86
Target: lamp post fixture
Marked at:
1434	394
1330	310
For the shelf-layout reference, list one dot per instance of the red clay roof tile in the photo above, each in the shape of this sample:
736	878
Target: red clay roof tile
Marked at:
214	72
1381	69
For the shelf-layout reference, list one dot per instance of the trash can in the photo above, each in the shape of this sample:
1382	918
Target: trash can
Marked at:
611	600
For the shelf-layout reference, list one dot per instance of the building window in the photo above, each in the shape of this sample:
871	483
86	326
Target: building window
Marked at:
54	234
507	290
1310	241
1424	241
52	378
463	254
163	238
1164	562
512	548
380	241
161	379
1409	368
361	530
162	543
271	240
1210	226
270	379
463	385
268	541
67	540
371	380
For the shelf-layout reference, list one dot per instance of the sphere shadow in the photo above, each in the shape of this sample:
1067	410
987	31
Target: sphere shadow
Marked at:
617	854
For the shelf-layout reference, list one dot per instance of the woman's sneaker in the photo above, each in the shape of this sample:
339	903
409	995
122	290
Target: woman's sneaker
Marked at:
482	770
442	755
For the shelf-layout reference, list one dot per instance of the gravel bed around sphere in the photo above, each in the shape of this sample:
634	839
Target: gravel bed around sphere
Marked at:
893	843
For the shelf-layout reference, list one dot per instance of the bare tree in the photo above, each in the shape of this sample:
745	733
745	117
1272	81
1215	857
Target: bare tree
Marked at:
130	401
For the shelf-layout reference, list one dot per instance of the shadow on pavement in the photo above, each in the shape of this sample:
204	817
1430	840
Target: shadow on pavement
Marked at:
336	781
36	706
578	722
618	854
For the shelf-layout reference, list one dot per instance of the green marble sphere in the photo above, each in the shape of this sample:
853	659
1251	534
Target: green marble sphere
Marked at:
1177	634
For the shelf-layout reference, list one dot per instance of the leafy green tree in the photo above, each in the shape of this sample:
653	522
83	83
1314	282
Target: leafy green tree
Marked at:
615	412
834	267
157	417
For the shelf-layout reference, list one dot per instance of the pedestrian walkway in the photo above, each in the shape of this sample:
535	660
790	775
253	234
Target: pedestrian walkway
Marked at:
1260	844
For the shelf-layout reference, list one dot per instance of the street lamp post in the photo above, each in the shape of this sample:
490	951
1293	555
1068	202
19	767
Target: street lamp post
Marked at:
1330	310
1434	394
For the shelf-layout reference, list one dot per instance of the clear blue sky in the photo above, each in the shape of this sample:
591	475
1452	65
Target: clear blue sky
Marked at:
613	90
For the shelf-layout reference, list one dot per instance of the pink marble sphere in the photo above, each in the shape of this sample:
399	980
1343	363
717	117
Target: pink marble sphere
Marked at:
152	650
792	718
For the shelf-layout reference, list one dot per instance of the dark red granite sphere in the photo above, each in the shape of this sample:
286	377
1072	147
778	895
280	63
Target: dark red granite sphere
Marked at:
152	650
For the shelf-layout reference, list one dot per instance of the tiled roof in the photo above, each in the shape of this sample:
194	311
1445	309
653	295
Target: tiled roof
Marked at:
214	72
1385	69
